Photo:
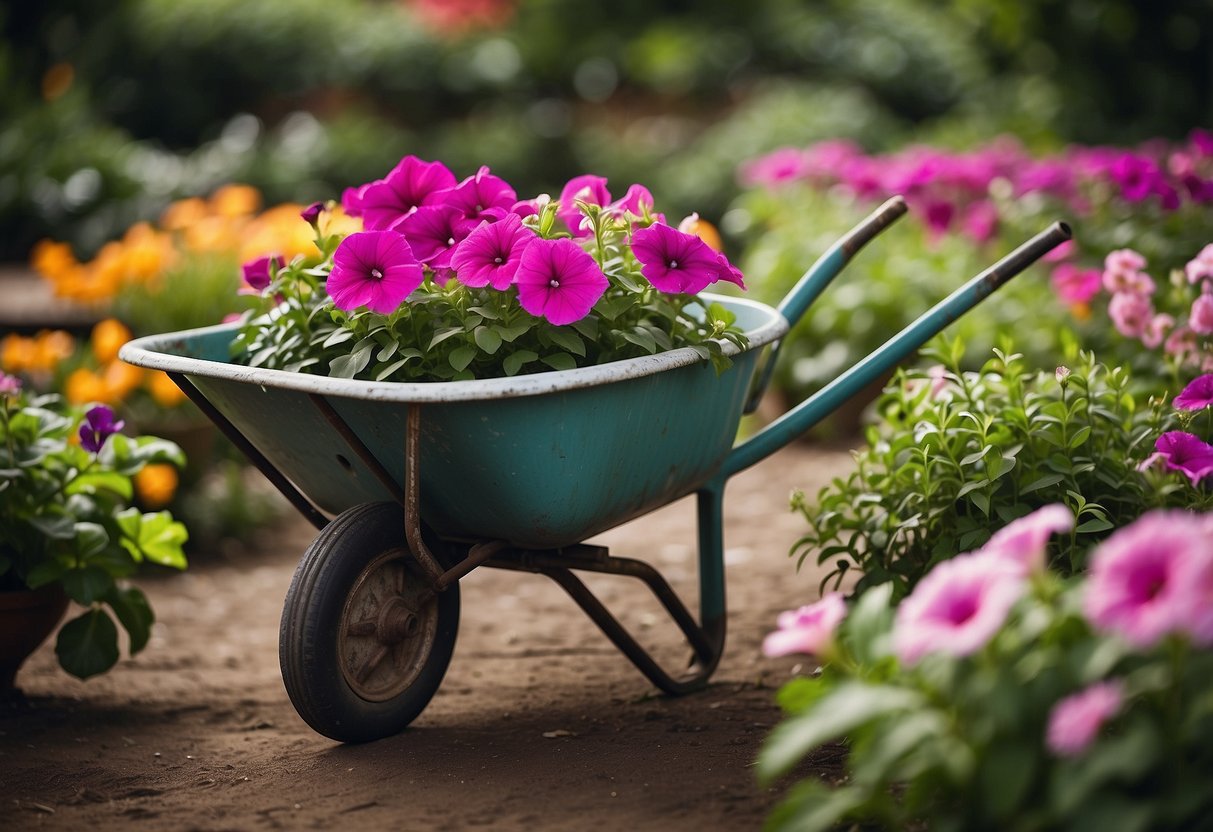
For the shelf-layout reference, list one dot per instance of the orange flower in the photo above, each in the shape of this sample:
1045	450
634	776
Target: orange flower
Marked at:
163	390
147	251
50	347
120	380
52	260
280	230
183	213
336	221
702	229
108	336
156	484
235	200
17	353
84	386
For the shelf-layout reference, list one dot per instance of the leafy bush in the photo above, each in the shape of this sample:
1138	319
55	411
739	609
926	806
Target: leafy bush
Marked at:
1001	696
954	454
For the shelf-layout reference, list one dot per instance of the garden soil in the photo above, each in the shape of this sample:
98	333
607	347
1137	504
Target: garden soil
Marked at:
539	724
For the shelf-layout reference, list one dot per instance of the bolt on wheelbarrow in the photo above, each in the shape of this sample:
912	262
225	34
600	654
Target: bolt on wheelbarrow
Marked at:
414	485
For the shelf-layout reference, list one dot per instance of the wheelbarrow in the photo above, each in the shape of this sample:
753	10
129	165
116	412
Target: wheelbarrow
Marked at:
414	485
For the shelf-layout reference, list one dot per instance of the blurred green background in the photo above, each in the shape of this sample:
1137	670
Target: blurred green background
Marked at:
108	111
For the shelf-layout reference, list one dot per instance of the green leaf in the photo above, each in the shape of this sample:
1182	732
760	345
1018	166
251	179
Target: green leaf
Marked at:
91	539
156	537
485	312
461	357
88	645
812	806
1095	524
45	572
516	360
348	366
135	614
1043	482
56	526
339	336
567	340
87	585
442	334
559	361
487	339
510	333
642	338
1080	436
94	481
849	706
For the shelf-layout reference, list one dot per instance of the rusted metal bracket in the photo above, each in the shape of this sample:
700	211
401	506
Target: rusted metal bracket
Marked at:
707	642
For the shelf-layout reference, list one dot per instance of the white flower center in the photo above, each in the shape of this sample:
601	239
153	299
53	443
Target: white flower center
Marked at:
673	264
498	259
375	273
450	241
554	283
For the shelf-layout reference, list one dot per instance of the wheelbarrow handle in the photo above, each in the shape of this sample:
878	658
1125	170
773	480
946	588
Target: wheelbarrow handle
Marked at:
815	408
818	277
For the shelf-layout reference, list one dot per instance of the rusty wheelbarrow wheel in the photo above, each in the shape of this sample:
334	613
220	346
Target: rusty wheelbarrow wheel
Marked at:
364	642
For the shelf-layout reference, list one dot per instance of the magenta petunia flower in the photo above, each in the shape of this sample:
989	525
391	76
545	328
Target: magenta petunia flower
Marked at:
980	221
98	425
1130	313
1200	318
809	629
679	263
311	214
9	385
478	194
957	608
258	273
375	269
1075	721
635	202
351	199
1186	453
1140	583
558	280
787	164
1021	543
1197	395
490	255
1075	285
433	231
409	185
587	188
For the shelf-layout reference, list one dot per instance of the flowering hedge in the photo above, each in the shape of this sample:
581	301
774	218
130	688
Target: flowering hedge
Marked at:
1000	696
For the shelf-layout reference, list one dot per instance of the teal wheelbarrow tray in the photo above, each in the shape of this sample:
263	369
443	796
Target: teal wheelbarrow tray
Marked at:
413	485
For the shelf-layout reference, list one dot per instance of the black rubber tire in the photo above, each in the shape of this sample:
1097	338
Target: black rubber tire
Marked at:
311	622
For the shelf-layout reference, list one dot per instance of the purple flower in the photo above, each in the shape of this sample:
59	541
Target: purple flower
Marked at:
1200	318
787	164
375	269
1074	285
808	630
1200	267
490	255
559	281
98	426
1197	395
9	385
311	214
1202	141
1141	585
1075	721
1186	453
407	186
258	273
433	231
479	194
1130	313
589	189
957	608
679	263
1021	543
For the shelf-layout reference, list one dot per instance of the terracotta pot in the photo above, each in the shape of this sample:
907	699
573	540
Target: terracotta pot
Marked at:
27	617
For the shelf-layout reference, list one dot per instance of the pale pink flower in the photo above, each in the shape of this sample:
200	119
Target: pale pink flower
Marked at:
1075	721
808	630
1181	342
957	608
1201	316
1156	330
1130	313
1123	261
1201	266
1021	543
1140	586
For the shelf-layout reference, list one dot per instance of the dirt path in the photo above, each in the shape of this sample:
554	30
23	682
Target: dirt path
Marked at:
539	724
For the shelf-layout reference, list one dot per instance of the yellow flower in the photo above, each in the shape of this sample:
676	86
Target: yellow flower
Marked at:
50	347
120	380
156	484
108	336
163	390
183	213
17	353
336	221
280	230
84	386
148	252
235	201
52	260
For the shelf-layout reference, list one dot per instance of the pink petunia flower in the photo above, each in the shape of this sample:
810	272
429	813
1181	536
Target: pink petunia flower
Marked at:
433	231
1197	395
1200	267
1156	330
1181	342
1130	313
478	195
1123	261
1200	318
1075	285
1196	573
1075	721
1186	453
957	608
375	269
9	385
490	255
636	201
679	263
587	188
809	629
1021	543
1139	586
787	164
559	281
258	273
409	185
980	221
